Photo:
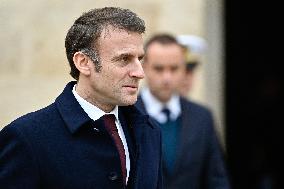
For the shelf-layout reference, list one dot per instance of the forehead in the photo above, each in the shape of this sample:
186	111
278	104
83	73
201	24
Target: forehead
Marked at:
165	54
115	41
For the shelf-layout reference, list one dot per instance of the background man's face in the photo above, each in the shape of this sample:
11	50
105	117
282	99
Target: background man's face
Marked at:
163	68
186	83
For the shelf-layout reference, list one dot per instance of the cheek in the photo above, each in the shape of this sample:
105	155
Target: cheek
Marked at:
154	75
179	74
156	83
109	73
117	77
151	76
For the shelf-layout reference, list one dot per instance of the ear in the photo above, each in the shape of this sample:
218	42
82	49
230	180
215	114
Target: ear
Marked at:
82	63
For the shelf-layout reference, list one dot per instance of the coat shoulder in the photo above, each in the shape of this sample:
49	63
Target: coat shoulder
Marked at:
33	119
195	107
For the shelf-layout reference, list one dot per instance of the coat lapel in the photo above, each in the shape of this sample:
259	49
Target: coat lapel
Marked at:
135	122
186	132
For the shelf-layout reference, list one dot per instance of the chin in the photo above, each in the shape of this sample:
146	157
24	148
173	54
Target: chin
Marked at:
129	101
164	98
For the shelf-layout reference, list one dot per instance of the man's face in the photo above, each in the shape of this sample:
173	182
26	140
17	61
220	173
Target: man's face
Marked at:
117	82
164	69
186	83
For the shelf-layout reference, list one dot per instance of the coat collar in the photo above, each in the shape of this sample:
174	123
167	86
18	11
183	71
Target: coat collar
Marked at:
136	118
74	116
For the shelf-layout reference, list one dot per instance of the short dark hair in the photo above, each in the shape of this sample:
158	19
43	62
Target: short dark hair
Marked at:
83	34
162	38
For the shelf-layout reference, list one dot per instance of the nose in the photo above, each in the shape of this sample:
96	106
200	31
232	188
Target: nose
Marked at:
137	70
167	76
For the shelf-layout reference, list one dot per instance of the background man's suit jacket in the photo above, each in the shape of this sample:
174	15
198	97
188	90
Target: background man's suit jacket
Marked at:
57	147
199	158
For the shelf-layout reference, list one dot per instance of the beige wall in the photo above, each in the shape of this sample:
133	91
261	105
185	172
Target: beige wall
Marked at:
34	68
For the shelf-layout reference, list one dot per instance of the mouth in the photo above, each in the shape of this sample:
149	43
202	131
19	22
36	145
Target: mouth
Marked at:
131	88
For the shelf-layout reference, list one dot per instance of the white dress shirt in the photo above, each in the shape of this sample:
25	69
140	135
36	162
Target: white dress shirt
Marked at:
154	107
95	113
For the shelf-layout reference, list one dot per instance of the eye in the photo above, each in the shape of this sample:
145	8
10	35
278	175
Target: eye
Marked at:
158	68
125	58
141	59
174	68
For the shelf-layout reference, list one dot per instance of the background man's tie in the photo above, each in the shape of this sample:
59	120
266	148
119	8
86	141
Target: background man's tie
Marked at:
166	111
109	120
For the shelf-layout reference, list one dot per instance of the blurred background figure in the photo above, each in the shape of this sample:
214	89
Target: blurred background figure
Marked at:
186	83
192	155
194	47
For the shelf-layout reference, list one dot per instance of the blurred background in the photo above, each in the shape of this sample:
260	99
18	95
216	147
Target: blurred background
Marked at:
236	79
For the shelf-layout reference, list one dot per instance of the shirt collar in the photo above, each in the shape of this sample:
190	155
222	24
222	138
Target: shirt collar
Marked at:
154	106
93	112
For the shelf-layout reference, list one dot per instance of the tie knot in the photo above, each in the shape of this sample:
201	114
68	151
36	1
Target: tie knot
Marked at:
167	112
109	120
109	116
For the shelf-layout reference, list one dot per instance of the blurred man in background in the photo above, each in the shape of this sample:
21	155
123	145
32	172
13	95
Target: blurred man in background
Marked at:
186	84
192	155
194	47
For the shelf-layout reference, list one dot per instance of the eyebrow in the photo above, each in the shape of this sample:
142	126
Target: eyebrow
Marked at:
118	57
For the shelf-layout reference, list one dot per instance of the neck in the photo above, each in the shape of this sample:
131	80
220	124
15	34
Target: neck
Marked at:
86	93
